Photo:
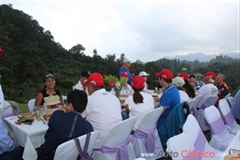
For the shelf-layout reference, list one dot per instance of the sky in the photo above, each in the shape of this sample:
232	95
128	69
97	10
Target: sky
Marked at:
144	30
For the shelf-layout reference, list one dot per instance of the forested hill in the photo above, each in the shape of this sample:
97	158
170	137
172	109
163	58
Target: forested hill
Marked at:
31	52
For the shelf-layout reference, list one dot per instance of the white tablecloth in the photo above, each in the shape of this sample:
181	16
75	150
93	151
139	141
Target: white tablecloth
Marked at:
27	136
235	144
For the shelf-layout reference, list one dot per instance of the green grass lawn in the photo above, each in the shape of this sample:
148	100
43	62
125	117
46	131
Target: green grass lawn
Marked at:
24	108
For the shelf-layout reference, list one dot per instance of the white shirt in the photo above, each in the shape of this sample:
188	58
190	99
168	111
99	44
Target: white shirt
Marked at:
145	89
139	109
183	96
80	87
103	111
206	91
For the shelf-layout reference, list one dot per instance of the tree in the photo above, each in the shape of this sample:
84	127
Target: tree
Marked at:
78	49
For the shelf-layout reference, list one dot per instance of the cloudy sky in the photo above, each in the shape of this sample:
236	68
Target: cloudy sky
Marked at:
146	30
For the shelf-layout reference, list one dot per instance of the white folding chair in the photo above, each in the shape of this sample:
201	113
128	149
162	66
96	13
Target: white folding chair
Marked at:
6	111
145	138
31	104
68	150
221	137
193	103
117	144
228	117
211	100
192	141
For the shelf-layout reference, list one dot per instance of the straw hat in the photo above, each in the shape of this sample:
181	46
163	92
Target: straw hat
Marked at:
51	100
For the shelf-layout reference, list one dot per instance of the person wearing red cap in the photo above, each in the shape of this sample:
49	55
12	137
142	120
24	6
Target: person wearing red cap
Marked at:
208	89
126	89
170	96
140	102
103	108
187	86
125	68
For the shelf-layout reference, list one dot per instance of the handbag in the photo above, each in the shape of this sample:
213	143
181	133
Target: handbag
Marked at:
83	155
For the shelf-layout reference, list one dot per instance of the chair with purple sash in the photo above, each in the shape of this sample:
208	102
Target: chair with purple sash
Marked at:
211	100
228	117
68	150
117	144
193	103
145	138
221	137
191	143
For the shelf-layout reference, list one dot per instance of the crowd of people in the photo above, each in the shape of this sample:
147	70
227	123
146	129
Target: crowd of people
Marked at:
90	107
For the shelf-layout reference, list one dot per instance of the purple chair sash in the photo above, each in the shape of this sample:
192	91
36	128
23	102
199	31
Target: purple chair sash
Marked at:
229	119
122	152
150	139
217	126
199	146
203	106
194	112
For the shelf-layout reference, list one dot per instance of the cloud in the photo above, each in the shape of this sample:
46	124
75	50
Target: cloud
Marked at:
142	30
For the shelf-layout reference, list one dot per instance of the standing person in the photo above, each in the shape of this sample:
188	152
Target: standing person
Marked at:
48	90
145	76
170	97
222	87
208	89
65	124
83	76
194	83
125	68
140	102
103	109
187	86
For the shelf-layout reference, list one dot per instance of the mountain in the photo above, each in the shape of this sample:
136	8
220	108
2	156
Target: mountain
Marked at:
201	57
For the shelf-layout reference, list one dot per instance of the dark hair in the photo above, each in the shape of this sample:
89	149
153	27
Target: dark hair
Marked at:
137	97
79	100
192	76
189	89
168	81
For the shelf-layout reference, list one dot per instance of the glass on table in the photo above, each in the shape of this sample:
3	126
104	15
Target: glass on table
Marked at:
37	113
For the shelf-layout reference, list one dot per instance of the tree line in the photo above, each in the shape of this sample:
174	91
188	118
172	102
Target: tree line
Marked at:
31	53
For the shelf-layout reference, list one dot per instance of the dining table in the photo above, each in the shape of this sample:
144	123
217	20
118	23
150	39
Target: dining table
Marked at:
28	136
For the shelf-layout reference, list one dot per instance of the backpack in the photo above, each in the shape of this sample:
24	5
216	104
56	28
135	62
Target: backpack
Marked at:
83	155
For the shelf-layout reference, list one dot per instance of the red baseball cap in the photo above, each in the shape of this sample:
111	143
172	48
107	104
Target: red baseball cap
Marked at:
184	75
95	79
124	74
138	82
210	74
165	74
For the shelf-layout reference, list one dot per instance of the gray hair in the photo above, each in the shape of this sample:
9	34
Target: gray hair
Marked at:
221	75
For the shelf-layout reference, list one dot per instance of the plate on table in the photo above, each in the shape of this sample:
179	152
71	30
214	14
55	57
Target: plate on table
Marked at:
26	114
28	119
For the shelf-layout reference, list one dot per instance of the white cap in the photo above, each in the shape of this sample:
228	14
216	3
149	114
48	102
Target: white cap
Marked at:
143	73
125	60
178	81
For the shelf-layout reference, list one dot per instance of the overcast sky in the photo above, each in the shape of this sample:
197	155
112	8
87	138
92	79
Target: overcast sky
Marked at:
145	30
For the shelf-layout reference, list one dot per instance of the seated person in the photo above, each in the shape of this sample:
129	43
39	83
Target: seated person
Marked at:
179	82
145	76
222	87
194	83
48	90
126	89
103	108
236	107
8	150
187	86
80	85
140	102
65	124
170	97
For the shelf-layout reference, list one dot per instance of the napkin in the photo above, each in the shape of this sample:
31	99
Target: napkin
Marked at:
25	119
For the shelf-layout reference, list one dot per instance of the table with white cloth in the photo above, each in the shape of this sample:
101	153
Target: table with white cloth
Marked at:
27	136
235	144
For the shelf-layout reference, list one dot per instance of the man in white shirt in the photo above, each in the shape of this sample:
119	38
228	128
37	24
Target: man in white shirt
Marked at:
80	85
103	109
208	89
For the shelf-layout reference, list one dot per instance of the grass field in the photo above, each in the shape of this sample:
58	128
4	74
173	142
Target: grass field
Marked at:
24	108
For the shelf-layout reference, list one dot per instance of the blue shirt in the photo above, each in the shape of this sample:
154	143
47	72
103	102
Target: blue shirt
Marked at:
60	125
169	100
123	69
236	105
6	144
